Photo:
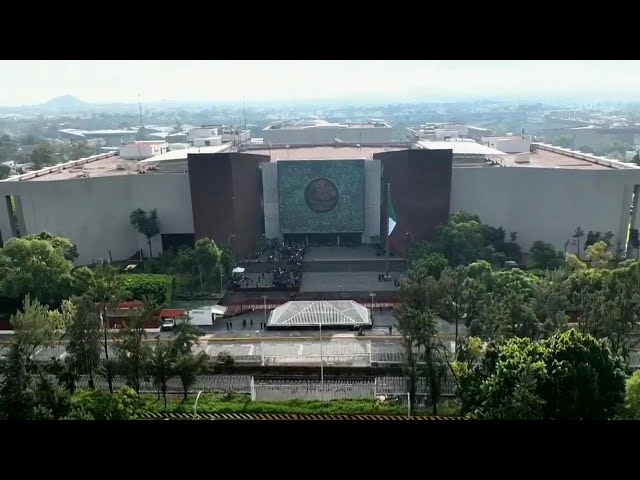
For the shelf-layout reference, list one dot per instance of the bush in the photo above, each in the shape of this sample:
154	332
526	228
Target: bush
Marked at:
159	288
125	404
632	398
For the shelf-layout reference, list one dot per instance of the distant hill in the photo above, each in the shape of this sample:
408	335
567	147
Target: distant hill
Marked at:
65	102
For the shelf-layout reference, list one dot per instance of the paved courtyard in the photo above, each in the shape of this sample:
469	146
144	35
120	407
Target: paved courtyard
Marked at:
350	282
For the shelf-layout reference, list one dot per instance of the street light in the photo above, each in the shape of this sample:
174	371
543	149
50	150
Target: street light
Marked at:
264	298
233	235
321	363
409	233
372	295
221	281
340	287
195	405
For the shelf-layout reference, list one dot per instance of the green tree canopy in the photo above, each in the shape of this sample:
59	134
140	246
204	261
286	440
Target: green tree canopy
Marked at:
5	171
545	256
35	267
43	155
568	376
68	249
146	223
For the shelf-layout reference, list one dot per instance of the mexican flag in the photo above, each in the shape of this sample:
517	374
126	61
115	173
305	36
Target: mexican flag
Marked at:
392	215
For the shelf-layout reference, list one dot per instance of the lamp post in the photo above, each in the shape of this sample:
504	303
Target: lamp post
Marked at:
264	299
233	235
321	363
340	288
407	254
372	295
221	283
195	405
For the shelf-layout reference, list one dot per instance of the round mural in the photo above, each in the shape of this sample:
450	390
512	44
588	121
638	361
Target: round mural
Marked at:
321	195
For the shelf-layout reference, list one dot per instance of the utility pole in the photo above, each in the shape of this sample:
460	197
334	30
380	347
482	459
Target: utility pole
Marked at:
386	268
264	298
321	364
140	109
244	113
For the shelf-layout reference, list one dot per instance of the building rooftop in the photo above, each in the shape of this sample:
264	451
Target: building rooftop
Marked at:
461	148
105	165
550	156
181	154
322	153
319	123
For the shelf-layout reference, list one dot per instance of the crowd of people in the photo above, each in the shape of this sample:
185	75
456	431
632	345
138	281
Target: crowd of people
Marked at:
285	266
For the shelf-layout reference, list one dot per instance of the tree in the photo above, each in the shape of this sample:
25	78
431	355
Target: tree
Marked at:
187	365
64	245
35	326
187	368
84	334
423	352
573	263
8	147
545	256
16	394
132	351
146	223
43	155
107	291
206	256
453	296
5	171
636	158
227	260
161	367
610	311
599	254
632	397
35	267
577	236
430	265
51	401
634	241
570	376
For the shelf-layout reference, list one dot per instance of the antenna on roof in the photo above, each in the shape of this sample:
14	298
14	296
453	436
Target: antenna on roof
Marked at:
244	113
140	109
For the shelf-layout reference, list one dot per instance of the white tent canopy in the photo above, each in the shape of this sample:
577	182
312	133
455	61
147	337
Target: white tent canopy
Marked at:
238	270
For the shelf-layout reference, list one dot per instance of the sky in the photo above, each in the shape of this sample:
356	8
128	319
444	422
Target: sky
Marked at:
105	81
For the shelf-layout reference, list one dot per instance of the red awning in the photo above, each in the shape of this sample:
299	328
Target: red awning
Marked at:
172	312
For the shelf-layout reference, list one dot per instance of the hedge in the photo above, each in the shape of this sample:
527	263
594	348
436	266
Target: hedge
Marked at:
157	287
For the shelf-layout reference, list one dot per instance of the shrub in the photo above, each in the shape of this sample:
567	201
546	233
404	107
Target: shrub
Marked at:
156	287
125	404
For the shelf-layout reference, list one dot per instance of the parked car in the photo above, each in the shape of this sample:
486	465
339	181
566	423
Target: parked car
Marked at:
167	325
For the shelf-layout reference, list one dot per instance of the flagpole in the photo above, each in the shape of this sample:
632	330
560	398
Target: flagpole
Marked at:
387	232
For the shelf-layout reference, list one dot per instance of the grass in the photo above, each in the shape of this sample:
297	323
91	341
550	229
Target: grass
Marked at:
236	403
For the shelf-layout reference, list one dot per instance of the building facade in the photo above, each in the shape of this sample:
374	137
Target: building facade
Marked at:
319	194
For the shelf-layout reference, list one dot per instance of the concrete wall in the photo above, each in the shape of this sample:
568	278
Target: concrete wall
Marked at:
372	199
546	204
326	135
94	212
270	200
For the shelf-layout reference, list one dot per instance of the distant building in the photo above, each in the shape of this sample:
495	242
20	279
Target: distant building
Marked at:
112	138
181	137
509	143
320	132
478	132
142	149
320	193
